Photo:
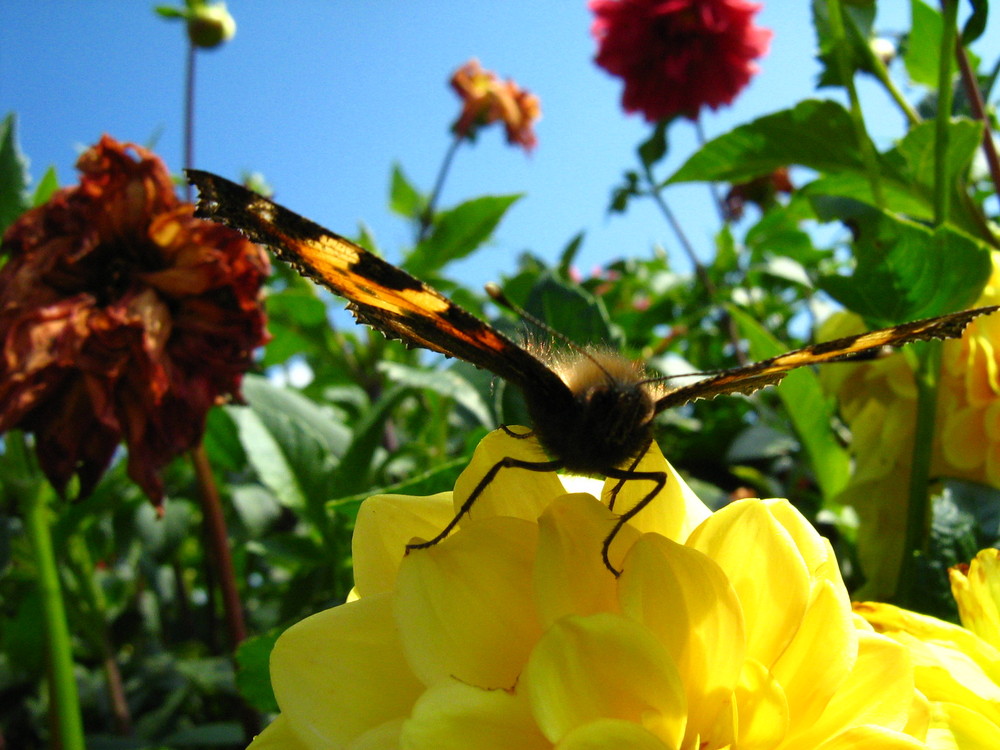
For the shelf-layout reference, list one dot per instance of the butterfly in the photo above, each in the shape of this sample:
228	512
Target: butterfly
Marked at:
591	410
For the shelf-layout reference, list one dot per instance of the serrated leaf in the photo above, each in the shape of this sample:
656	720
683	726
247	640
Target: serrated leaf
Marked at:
816	134
457	233
905	270
858	21
13	174
404	198
810	410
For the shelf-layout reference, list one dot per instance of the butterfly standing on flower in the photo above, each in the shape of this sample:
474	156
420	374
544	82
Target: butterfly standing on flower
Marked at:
592	410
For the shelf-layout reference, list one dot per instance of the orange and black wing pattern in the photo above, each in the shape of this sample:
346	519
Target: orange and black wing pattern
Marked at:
770	371
379	294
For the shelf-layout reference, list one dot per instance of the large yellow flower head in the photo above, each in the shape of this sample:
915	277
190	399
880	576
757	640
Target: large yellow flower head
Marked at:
956	668
878	401
724	630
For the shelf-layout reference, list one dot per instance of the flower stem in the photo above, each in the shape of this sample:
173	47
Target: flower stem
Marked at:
189	114
868	155
699	268
62	681
427	217
215	527
929	358
971	86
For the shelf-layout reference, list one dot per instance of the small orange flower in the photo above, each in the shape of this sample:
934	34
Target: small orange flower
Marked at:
486	99
122	317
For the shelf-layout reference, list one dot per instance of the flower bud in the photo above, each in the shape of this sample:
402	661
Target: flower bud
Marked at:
209	26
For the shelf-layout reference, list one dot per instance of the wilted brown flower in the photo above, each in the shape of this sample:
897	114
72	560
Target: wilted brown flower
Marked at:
122	317
486	99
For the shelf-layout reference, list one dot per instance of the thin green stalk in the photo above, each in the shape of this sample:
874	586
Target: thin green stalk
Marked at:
868	155
918	507
427	217
881	73
942	190
63	697
929	360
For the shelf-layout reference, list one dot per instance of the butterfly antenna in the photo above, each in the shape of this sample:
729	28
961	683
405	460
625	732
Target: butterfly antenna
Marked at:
496	294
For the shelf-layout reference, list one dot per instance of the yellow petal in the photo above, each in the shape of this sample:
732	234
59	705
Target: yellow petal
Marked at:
870	738
454	716
963	438
965	645
278	735
674	513
955	726
819	658
512	492
570	575
383	737
765	569
611	733
464	605
977	593
878	691
762	709
684	599
385	525
604	666
341	672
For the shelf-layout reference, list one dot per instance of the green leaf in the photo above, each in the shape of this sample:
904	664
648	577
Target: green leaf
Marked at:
859	21
976	23
290	441
439	479
46	187
905	270
447	383
353	474
569	253
817	134
907	176
253	673
458	232
923	45
404	198
13	174
655	147
811	411
570	310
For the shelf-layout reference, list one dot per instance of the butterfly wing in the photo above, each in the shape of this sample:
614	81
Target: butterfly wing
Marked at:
379	294
770	371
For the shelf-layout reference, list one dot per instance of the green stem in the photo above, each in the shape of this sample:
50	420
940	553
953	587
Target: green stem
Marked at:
918	507
942	190
881	73
427	217
868	154
971	86
63	696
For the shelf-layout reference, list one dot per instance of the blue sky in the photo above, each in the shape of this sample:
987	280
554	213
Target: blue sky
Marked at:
323	97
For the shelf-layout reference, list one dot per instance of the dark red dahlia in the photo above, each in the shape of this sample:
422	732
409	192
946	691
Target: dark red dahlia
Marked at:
677	56
122	318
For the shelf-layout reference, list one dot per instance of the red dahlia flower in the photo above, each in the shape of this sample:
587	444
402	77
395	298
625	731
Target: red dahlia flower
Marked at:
677	56
486	99
122	317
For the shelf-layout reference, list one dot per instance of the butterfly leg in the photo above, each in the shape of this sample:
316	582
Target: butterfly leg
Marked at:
659	480
613	495
504	463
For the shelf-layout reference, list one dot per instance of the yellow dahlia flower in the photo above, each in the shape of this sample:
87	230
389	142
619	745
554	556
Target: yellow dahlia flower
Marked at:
956	668
724	630
878	401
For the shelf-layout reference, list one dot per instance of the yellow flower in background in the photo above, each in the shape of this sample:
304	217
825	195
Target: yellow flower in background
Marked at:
724	630
956	668
878	401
